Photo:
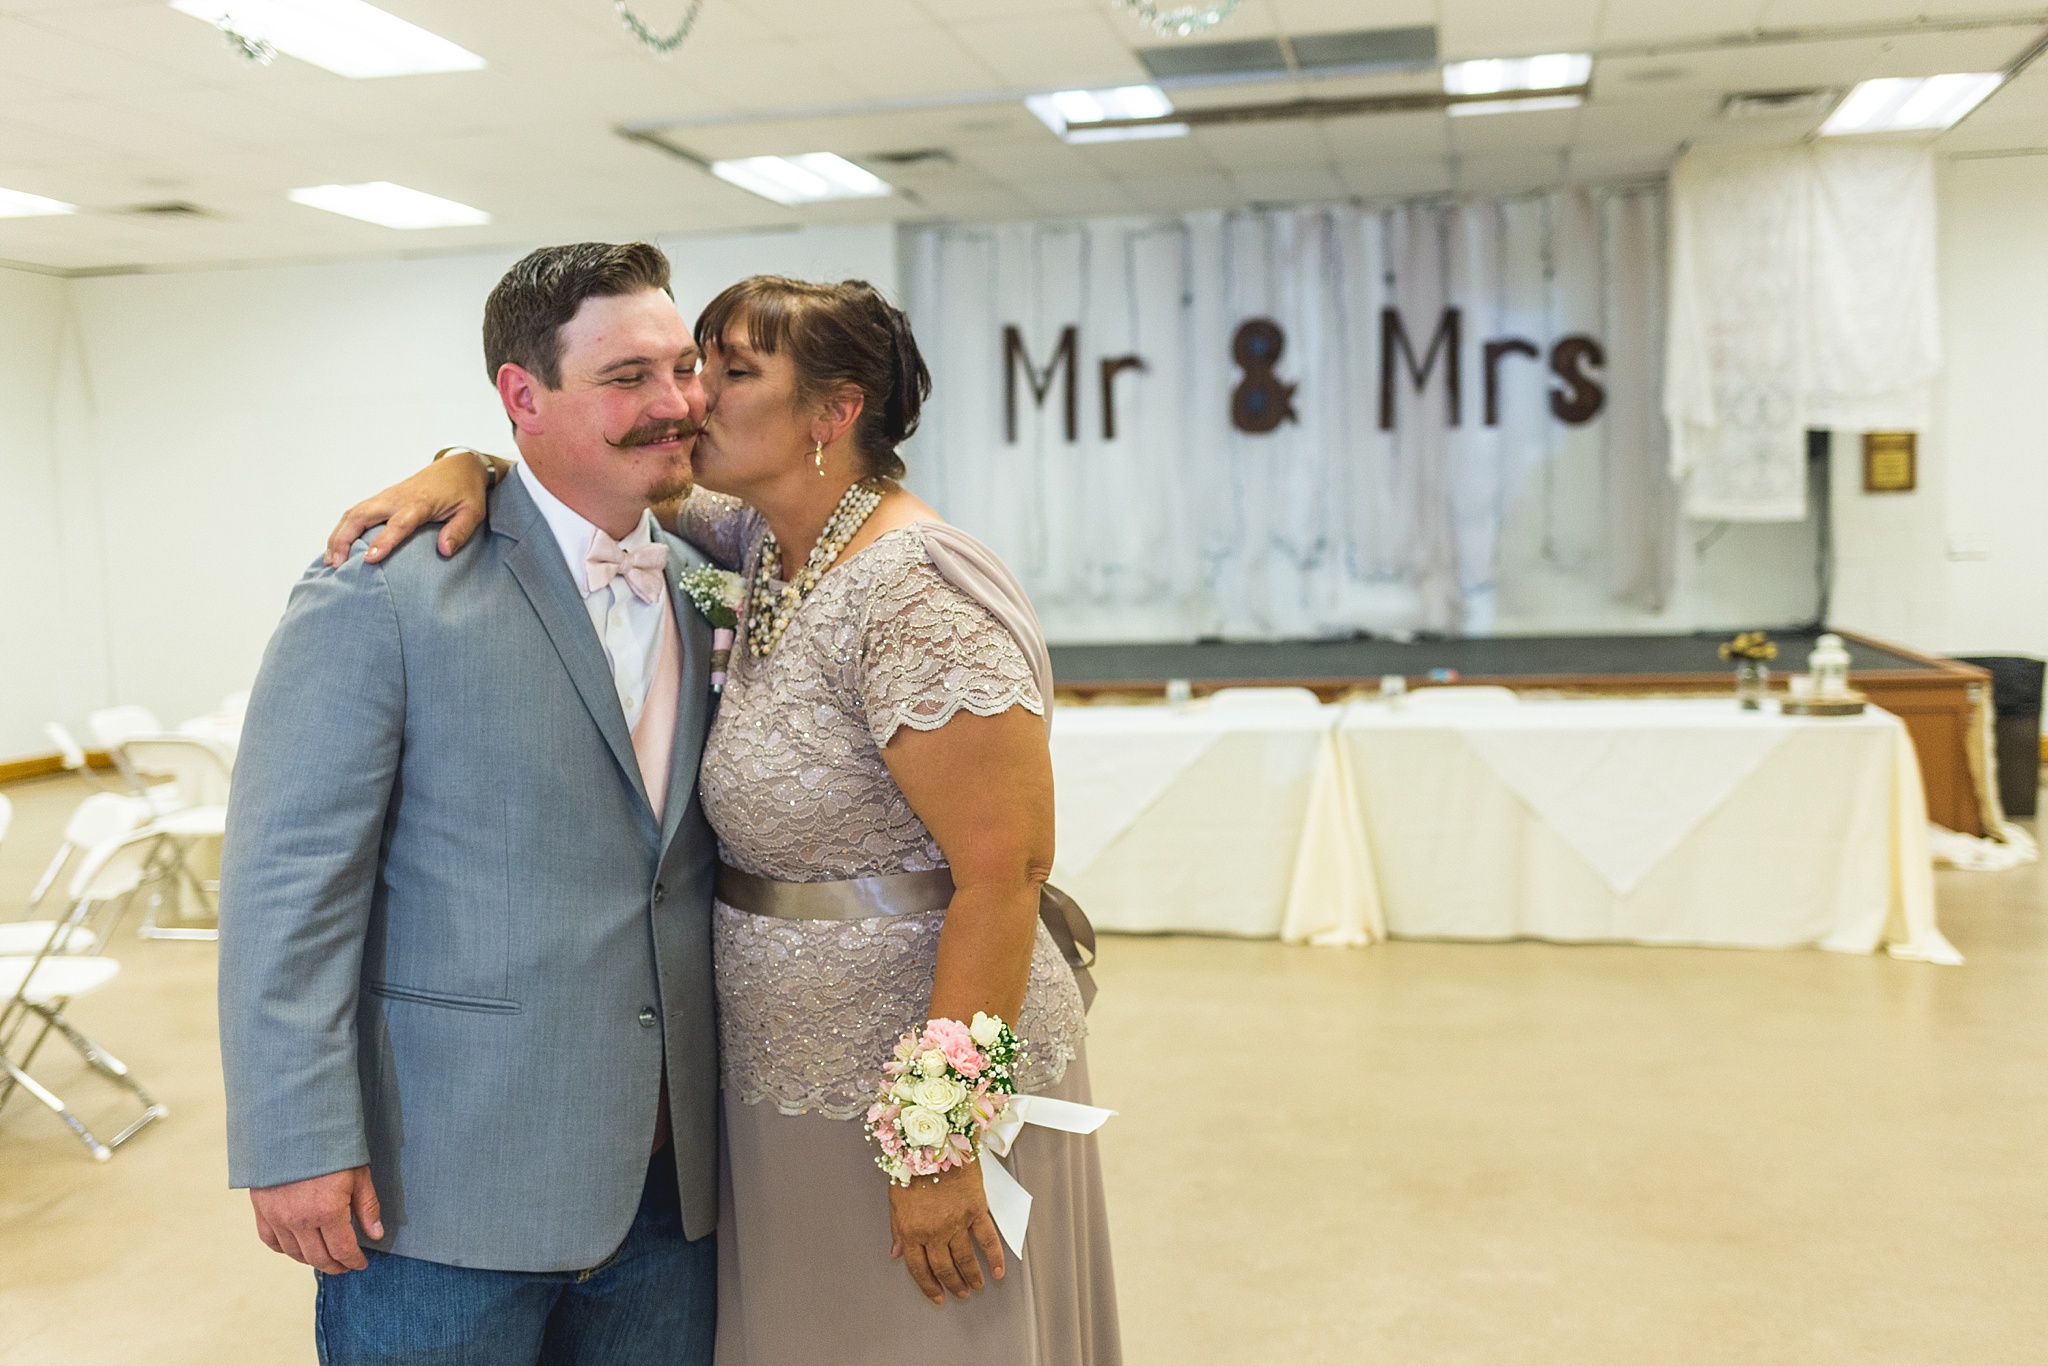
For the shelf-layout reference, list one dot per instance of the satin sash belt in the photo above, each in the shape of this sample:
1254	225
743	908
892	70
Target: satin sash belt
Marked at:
865	898
860	898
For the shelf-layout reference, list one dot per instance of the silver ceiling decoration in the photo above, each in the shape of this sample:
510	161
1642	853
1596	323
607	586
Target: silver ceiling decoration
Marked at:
1182	21
248	47
660	44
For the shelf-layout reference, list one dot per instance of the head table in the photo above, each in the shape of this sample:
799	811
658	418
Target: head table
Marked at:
1263	812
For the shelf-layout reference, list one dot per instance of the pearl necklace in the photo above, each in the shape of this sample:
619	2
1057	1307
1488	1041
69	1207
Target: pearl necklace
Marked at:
769	612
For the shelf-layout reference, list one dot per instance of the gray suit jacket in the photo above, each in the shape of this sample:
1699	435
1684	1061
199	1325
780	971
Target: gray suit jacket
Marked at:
449	921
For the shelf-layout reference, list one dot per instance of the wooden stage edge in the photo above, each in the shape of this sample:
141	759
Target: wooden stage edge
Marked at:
1943	703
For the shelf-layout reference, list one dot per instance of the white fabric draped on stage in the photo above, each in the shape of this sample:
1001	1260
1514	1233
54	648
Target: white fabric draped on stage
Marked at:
1803	294
1180	525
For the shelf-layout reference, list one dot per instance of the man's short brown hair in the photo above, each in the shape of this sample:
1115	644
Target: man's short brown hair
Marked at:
523	318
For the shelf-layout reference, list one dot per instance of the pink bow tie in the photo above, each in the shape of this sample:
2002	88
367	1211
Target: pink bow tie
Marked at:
641	566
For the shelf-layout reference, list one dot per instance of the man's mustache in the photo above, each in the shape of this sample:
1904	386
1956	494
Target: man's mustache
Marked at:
647	435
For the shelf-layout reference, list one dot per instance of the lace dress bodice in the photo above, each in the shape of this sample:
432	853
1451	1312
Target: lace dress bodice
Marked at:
794	785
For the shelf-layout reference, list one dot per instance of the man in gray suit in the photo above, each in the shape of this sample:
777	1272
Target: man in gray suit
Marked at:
465	984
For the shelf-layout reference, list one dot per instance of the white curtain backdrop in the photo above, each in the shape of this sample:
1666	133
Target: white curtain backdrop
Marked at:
1180	525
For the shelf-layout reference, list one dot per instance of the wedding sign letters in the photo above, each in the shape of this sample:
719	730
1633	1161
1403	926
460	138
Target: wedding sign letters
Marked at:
1263	400
1298	422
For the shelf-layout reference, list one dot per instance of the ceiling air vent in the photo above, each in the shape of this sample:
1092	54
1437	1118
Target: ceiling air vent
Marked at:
1367	49
930	158
1256	57
1775	104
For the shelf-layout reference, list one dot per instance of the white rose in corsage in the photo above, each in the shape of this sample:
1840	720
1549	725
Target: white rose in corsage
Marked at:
924	1128
942	1088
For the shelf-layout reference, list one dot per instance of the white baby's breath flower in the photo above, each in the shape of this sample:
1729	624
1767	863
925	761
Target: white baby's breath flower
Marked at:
932	1064
923	1128
938	1093
985	1030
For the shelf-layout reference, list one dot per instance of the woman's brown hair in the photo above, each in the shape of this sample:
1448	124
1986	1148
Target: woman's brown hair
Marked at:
836	335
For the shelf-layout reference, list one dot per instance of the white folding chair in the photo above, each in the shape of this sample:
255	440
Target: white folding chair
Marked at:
72	753
200	772
113	727
99	819
40	986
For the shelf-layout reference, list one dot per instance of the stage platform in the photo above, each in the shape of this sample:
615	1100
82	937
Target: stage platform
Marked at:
1943	703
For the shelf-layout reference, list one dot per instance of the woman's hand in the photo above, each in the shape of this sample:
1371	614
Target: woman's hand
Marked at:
937	1224
451	491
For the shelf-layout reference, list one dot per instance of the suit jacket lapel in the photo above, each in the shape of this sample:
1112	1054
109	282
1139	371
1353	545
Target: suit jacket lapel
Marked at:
693	705
536	562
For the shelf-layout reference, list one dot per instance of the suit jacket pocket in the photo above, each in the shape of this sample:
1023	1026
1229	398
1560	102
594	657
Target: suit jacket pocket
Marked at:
488	1005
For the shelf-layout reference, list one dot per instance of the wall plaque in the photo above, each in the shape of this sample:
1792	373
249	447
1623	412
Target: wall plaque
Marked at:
1891	462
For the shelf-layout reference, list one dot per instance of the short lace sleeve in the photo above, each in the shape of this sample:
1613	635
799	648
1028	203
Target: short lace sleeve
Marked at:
927	651
718	525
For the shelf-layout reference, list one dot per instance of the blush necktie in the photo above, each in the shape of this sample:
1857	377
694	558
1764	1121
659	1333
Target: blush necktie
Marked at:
623	573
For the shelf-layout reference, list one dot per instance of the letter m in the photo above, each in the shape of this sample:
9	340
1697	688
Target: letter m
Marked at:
1040	381
1394	337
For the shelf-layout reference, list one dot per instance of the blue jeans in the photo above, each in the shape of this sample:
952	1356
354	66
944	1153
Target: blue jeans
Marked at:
652	1303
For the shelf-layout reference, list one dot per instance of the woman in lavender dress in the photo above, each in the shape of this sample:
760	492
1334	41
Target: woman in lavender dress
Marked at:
882	721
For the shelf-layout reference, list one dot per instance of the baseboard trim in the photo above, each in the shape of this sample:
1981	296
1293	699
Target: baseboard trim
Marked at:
43	765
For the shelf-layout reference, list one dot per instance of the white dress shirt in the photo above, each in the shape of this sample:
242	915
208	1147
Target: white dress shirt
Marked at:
628	629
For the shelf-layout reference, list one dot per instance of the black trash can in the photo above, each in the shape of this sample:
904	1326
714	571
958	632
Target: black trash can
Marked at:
2016	698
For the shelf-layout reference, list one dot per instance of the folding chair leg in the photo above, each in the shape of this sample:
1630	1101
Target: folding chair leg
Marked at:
177	872
101	1061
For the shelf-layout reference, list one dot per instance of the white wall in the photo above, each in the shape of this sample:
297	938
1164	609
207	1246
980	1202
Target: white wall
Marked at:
51	576
1990	551
224	419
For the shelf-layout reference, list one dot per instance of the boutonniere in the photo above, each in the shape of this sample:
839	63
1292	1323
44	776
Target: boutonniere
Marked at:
717	594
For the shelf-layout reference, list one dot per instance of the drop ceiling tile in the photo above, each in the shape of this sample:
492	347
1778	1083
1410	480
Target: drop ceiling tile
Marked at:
1396	178
1252	145
1649	21
1078	51
1335	16
1370	136
803	20
1510	28
1289	184
1529	131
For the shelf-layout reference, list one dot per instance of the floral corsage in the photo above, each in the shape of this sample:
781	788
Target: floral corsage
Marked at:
717	594
945	1085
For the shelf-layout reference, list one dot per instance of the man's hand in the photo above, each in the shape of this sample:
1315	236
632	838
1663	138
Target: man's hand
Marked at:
451	491
309	1221
937	1225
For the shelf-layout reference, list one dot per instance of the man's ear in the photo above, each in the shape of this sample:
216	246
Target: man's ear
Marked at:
838	414
519	390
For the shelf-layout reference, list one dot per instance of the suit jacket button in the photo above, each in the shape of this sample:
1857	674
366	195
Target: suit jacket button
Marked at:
660	893
647	1018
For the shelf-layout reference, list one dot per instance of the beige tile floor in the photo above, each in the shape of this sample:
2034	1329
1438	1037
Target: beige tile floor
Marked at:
1412	1155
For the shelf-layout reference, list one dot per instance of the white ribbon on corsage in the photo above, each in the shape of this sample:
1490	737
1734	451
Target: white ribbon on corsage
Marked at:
1009	1204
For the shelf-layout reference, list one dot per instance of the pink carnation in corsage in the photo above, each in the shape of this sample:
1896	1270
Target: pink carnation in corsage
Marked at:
717	594
945	1085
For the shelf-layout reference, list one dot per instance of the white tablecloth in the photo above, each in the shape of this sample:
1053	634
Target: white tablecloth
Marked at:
1687	822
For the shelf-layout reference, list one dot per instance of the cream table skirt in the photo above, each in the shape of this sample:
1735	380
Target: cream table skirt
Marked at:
1686	822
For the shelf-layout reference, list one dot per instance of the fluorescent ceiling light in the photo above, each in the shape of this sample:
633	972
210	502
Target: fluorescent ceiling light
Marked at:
1524	105
19	204
390	206
1071	112
1898	104
348	37
1498	75
805	179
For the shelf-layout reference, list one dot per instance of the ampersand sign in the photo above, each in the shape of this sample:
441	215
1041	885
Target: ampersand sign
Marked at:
1262	402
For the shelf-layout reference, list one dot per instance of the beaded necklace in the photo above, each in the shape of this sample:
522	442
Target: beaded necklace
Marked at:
769	612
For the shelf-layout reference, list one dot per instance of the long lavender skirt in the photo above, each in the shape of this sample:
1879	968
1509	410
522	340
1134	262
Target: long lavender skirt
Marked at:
804	1272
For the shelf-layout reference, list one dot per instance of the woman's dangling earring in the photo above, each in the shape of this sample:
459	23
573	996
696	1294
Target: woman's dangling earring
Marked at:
818	456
